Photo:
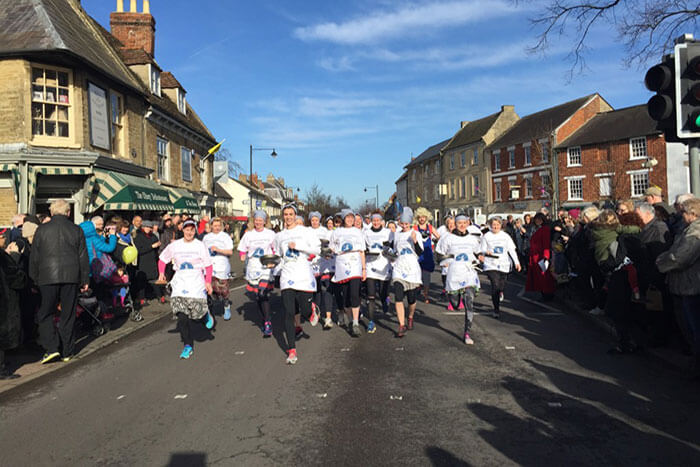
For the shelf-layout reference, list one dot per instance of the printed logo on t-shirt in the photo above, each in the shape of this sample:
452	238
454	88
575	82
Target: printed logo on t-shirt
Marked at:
186	266
406	251
462	257
259	252
292	253
346	247
375	246
498	250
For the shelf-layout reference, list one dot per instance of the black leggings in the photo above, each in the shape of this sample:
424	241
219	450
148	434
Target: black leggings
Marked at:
263	299
185	325
323	297
498	285
466	298
399	293
375	286
347	294
290	300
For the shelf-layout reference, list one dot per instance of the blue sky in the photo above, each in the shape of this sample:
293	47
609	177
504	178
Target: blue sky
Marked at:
347	91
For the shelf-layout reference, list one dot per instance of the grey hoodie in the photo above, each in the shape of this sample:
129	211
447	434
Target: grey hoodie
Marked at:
682	262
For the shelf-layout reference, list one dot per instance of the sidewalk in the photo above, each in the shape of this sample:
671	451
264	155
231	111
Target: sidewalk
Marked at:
25	361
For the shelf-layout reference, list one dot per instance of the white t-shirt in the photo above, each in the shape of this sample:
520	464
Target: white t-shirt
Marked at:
443	235
378	267
190	260
295	268
460	271
406	266
347	243
256	244
442	230
322	266
222	263
502	246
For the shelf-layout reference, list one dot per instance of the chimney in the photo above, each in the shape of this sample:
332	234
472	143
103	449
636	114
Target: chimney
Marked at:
281	181
507	108
270	178
463	123
135	30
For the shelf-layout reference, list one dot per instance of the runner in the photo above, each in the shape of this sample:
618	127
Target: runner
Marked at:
426	260
220	248
358	222
296	244
255	244
329	223
348	244
378	267
323	267
406	273
497	250
443	230
190	284
462	279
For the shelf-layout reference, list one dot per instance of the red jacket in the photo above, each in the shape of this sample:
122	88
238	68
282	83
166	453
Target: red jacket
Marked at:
540	248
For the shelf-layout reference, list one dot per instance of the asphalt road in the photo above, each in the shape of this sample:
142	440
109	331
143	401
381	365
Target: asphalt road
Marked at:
537	388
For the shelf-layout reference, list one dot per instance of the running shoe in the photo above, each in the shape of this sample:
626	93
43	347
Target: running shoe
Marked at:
162	299
186	352
298	333
267	329
450	307
292	357
402	331
313	319
355	330
341	321
461	304
409	325
501	297
227	313
327	323
210	321
49	357
67	359
371	328
468	340
597	311
497	314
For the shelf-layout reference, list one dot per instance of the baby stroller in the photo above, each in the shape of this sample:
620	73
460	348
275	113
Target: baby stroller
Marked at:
116	294
90	314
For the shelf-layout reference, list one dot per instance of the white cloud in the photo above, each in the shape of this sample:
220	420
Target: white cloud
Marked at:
329	107
344	63
412	19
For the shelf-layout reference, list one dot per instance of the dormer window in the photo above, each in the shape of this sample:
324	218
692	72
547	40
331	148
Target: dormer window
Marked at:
181	101
155	80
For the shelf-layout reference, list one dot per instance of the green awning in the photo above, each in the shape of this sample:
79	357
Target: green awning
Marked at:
183	201
121	192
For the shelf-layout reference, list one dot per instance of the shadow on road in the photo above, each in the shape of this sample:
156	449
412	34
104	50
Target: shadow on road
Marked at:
187	459
442	458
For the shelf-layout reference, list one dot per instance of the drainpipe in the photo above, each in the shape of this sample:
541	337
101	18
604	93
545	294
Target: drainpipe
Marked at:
23	187
143	136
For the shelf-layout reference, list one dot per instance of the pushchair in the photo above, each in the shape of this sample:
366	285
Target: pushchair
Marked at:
116	294
90	314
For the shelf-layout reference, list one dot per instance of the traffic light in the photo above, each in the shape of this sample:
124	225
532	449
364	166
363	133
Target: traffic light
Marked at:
688	89
661	107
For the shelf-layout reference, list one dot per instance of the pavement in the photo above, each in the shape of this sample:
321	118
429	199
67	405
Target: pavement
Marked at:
537	387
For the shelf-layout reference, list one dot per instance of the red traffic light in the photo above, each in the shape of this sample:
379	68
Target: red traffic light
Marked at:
658	78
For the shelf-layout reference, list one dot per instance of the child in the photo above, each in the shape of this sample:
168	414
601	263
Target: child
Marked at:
119	277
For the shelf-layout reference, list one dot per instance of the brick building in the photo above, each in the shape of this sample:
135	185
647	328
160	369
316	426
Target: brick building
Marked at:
466	169
524	177
424	178
90	117
617	155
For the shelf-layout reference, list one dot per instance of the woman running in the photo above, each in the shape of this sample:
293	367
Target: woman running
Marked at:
348	244
323	267
296	244
443	231
190	284
462	279
406	273
378	267
426	260
255	244
220	248
497	251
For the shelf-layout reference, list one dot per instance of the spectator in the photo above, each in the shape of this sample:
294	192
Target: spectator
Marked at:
12	281
539	277
682	266
147	245
624	207
59	265
95	243
29	297
167	233
588	281
136	223
654	196
16	232
676	223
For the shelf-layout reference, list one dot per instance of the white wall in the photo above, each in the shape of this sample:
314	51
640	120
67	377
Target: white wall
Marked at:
677	173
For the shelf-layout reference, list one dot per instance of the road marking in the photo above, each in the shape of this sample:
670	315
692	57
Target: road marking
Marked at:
554	405
322	396
396	398
240	352
399	349
510	347
180	396
121	397
346	349
555	311
239	287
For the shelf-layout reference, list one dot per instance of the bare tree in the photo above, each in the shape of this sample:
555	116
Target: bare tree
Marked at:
367	207
234	168
647	28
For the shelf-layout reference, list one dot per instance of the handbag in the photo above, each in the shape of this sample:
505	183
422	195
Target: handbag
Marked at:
101	268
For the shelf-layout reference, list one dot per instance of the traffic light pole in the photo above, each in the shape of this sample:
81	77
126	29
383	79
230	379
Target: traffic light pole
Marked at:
694	166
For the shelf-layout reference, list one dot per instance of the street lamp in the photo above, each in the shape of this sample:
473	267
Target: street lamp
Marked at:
250	178
376	200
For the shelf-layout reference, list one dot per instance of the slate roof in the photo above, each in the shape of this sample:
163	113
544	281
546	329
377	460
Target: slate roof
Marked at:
429	153
613	126
168	81
472	131
539	124
136	56
37	26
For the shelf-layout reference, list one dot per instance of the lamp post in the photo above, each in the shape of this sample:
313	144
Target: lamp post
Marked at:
250	178
376	199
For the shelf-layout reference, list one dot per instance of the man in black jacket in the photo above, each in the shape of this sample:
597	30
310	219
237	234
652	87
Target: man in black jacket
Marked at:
59	265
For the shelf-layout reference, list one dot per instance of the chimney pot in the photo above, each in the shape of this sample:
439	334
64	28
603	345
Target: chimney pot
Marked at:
132	7
509	108
120	6
464	123
147	6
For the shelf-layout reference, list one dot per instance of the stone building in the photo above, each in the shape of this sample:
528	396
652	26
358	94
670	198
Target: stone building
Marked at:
423	180
89	116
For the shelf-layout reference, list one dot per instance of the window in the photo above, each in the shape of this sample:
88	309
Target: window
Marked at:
426	169
413	174
463	188
575	189
528	187
163	151
155	80
497	190
496	161
452	161
638	148
426	193
51	102
545	153
605	186
511	158
186	163
181	101
203	175
546	182
573	156
528	156
475	157
452	189
475	185
437	167
116	109
463	158
436	191
640	183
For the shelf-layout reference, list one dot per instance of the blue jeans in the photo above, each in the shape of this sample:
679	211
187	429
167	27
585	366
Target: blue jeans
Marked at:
691	311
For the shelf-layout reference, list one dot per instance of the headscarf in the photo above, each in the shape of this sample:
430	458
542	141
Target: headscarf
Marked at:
376	215
260	214
315	214
407	215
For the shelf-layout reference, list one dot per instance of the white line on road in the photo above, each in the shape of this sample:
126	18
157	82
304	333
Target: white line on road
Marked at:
239	287
555	312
